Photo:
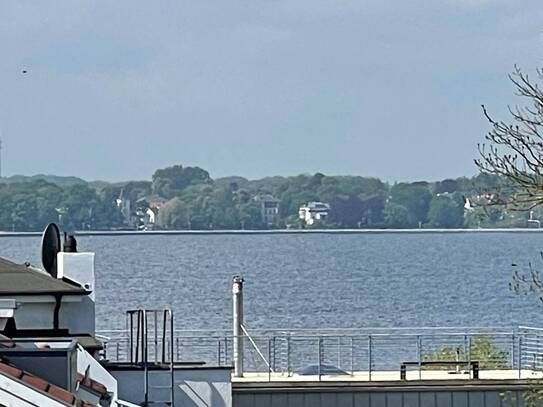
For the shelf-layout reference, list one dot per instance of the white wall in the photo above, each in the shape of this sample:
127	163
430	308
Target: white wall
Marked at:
196	387
77	316
77	313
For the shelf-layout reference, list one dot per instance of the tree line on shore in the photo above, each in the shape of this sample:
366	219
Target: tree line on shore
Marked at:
193	200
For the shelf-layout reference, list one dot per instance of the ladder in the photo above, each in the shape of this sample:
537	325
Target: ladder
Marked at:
151	343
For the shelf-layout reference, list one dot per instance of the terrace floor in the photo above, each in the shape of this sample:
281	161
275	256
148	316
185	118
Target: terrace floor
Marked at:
386	376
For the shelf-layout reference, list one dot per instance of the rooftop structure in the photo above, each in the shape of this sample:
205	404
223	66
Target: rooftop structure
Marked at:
50	355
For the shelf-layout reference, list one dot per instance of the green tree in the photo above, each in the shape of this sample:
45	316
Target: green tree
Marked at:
446	211
415	198
250	215
483	349
173	215
170	181
446	186
513	149
396	216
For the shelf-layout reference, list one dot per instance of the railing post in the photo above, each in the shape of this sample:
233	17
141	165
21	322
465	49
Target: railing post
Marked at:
156	334
225	350
288	354
237	300
369	357
352	356
339	352
274	354
177	349
419	355
457	359
465	346
131	316
319	349
469	352
512	351
219	352
269	359
519	356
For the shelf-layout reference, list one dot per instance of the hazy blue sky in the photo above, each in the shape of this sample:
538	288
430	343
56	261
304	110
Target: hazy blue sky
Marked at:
116	89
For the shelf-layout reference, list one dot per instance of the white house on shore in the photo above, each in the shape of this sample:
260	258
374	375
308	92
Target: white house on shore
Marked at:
314	211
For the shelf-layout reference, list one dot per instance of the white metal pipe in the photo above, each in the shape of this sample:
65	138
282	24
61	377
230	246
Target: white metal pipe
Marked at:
237	320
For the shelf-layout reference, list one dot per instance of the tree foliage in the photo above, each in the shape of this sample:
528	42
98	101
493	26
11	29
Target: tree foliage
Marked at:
170	181
446	211
202	203
482	349
173	215
514	148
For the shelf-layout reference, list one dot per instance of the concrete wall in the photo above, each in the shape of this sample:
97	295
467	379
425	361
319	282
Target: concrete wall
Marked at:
194	387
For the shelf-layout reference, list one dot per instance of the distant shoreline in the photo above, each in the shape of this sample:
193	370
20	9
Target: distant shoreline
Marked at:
277	232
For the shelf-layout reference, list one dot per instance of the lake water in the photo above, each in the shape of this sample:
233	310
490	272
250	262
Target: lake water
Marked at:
310	281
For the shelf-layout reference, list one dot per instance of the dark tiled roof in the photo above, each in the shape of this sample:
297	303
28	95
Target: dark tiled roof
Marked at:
18	279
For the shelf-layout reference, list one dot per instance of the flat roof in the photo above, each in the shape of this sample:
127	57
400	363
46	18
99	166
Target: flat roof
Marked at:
413	377
19	279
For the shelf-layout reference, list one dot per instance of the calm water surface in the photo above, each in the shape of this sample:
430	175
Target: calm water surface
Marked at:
310	280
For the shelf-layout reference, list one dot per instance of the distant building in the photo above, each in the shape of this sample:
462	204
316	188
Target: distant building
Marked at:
481	200
269	209
314	211
125	206
147	209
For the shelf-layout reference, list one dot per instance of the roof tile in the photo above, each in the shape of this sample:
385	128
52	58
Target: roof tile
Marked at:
11	370
91	384
35	382
42	385
61	394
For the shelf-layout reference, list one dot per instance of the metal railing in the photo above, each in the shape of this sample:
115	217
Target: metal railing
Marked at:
281	352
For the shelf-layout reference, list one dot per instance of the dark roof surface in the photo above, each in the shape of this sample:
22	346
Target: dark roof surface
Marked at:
18	279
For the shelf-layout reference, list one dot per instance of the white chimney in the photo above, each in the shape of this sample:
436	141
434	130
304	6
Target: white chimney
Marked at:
78	267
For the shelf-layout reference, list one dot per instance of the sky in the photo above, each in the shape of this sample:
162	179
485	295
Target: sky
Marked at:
391	89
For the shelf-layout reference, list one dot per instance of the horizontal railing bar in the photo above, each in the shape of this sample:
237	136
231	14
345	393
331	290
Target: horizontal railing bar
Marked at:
286	330
530	328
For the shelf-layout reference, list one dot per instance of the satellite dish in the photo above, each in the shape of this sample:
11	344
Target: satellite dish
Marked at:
50	246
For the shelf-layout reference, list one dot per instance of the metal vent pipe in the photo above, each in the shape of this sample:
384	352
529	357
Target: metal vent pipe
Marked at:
237	319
